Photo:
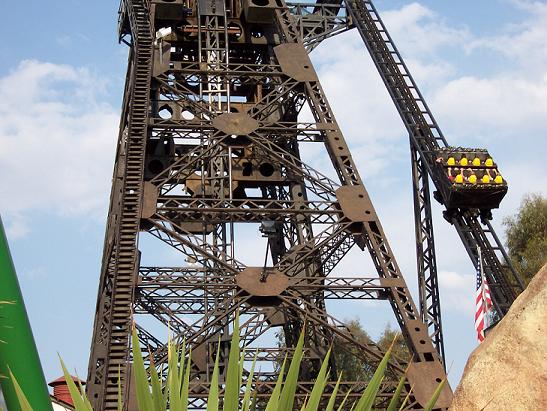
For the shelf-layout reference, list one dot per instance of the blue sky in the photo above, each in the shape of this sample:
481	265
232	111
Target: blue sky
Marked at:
481	65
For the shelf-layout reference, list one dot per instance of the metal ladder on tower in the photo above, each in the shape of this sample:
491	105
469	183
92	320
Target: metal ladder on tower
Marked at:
119	267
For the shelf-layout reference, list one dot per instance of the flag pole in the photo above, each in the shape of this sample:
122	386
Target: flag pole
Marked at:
485	297
481	271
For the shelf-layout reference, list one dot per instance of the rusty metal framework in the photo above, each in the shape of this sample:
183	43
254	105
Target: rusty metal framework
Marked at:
209	151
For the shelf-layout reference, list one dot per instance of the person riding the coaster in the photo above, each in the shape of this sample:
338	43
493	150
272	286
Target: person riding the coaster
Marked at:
497	178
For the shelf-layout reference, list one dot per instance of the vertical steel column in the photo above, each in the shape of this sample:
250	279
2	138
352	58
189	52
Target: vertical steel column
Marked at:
110	346
213	52
428	284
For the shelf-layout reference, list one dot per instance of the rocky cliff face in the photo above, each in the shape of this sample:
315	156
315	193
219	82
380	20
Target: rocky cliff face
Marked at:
508	371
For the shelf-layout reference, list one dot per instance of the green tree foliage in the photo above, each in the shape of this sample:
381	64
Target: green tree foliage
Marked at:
400	350
347	358
527	235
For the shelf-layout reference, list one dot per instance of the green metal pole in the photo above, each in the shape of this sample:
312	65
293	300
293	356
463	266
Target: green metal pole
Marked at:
17	347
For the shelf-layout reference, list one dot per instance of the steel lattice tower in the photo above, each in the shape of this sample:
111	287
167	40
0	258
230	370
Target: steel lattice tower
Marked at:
209	142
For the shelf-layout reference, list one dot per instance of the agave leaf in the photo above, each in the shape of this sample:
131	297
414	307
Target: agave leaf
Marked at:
75	394
305	404
241	363
431	403
233	382
144	398
173	381
157	392
248	386
165	396
341	406
332	399
84	396
319	385
23	401
253	404
212	400
273	402
396	395
182	358
403	405
286	401
366	401
186	382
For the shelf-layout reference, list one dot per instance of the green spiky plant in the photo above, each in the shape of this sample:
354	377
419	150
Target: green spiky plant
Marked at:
155	394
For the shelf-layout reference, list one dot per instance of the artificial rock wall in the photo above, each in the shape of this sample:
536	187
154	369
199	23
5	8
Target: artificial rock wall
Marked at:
508	371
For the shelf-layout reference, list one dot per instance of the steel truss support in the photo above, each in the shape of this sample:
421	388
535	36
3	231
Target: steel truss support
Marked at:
319	21
210	145
428	285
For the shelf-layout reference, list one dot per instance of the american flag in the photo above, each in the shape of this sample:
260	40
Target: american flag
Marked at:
483	300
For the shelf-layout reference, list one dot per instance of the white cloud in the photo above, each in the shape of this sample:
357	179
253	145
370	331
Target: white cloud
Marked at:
57	142
524	43
17	226
457	291
504	106
34	273
420	30
354	89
